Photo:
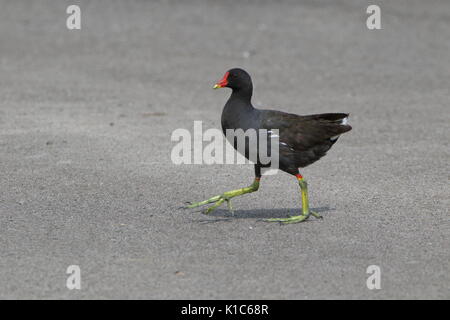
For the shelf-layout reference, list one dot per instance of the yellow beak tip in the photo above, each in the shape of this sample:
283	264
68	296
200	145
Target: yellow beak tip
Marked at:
216	86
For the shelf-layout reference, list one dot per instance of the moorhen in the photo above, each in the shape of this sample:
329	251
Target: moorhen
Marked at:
302	139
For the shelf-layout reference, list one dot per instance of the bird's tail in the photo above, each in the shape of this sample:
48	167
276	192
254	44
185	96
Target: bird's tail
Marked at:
335	123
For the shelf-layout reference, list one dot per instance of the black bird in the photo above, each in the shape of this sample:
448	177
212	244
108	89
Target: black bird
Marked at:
302	139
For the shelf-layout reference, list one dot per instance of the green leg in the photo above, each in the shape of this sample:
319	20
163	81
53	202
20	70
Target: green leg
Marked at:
226	196
305	206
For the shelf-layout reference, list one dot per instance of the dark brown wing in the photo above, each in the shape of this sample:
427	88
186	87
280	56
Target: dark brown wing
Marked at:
305	139
304	132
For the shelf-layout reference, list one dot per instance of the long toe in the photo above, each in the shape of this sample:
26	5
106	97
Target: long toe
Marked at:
316	215
213	207
293	219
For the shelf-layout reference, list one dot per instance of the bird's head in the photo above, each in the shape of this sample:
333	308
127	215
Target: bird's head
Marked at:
235	79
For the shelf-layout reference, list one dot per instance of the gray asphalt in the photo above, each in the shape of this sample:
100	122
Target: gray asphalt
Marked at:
86	176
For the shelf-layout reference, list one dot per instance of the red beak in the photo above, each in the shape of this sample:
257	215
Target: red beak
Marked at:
223	82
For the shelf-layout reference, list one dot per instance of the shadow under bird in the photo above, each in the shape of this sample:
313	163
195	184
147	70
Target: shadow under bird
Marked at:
302	140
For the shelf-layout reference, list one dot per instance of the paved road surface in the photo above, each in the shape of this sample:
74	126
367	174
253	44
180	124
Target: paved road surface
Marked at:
86	177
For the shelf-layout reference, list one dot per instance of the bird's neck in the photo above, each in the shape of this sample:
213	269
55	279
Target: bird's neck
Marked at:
242	94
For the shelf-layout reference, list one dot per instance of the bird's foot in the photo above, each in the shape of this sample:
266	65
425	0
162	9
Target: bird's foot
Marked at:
217	200
225	197
295	219
292	219
315	215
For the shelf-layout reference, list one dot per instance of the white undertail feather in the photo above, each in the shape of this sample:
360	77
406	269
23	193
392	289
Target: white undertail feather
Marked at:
344	122
335	138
